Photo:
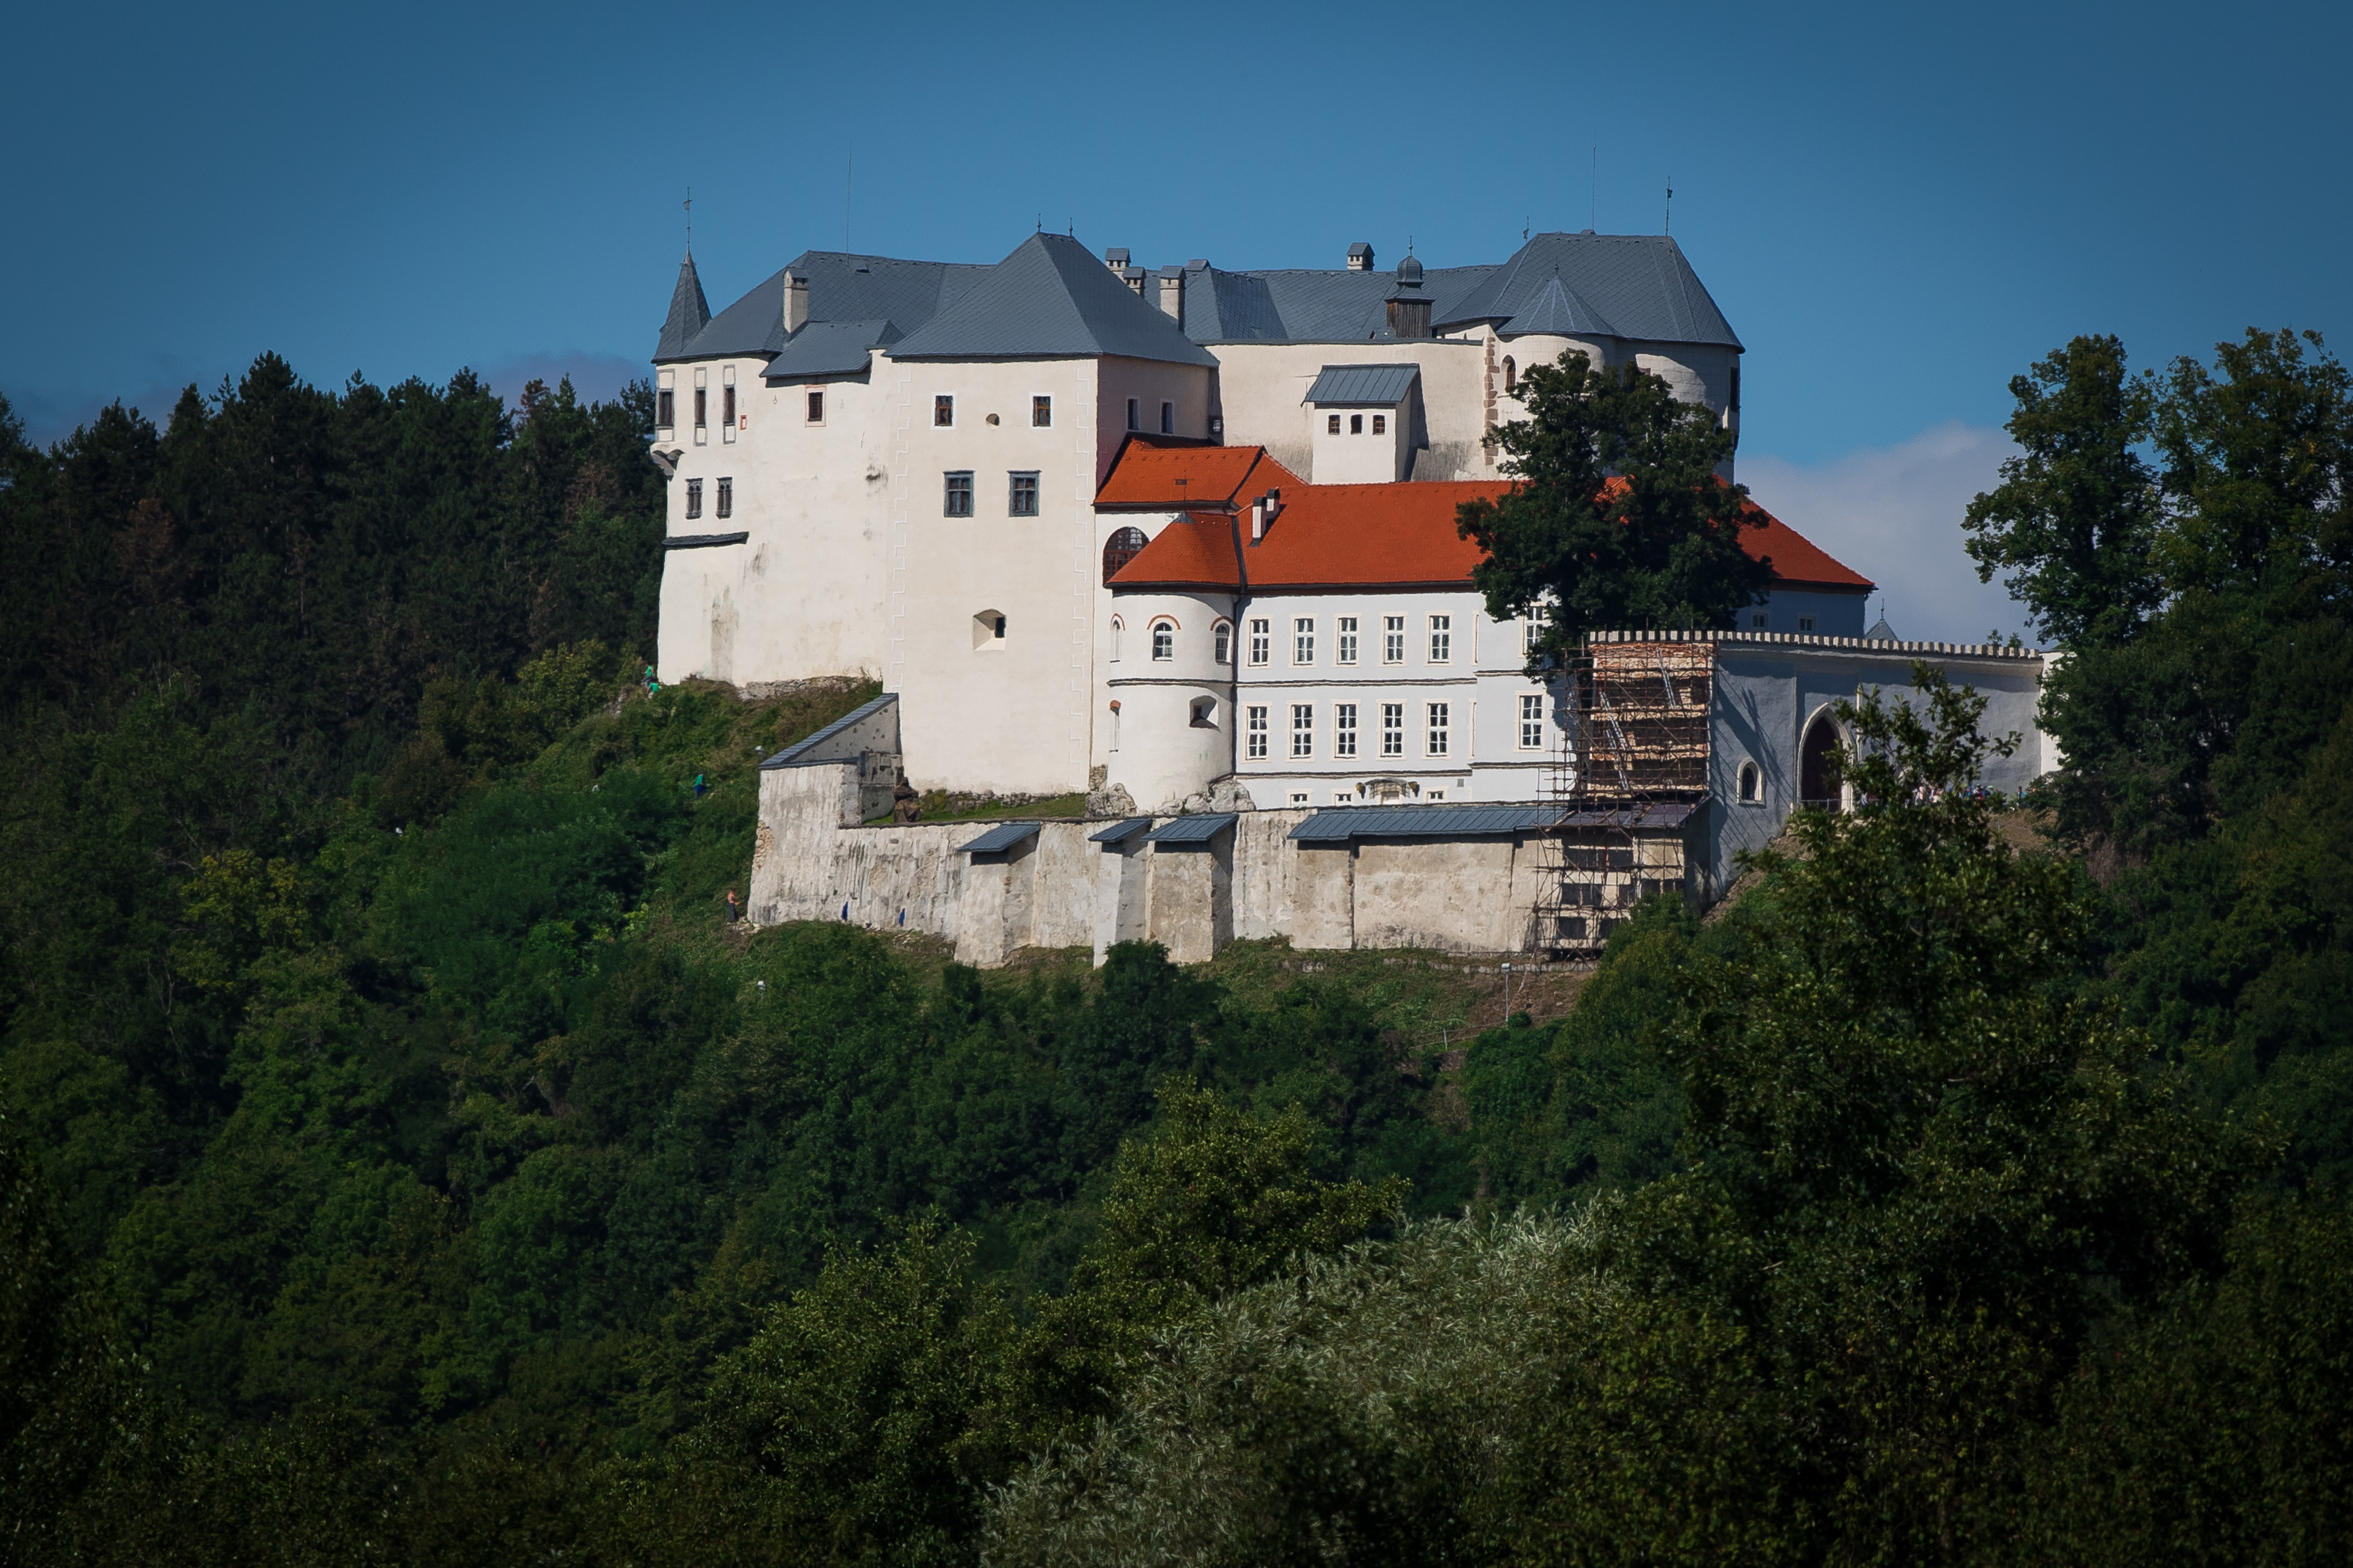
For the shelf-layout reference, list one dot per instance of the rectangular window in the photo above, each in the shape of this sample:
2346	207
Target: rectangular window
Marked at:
1303	641
1380	423
1303	729
1132	422
1041	412
1437	729
727	406
1256	745
1168	419
1347	650
1262	641
1532	629
943	410
1023	501
1356	423
694	498
1805	623
666	415
1393	729
1299	798
1344	730
726	498
1442	639
702	402
1393	640
1757	620
1331	424
958	500
1532	722
816	408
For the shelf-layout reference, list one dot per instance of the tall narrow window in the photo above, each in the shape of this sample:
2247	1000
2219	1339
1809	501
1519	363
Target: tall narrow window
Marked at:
943	410
1393	729
1356	423
1303	729
1805	623
957	501
1168	419
1392	639
1255	732
1438	728
1532	722
1224	641
727	406
666	408
1117	630
1532	629
1303	641
1344	730
1346	652
1041	412
726	498
1331	424
1511	378
694	498
1023	501
1442	639
702	402
1758	620
1261	646
1132	422
1164	640
816	408
1380	423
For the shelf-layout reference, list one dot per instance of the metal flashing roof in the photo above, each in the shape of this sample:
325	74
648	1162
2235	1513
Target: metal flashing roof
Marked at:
813	748
1340	824
1638	284
689	311
1817	643
1050	299
1001	838
1120	832
1191	829
830	347
1560	312
1361	385
842	287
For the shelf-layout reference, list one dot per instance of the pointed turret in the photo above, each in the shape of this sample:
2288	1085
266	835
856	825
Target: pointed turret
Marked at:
689	313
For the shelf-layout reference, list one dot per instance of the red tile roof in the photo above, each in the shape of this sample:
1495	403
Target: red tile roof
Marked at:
1392	535
1147	477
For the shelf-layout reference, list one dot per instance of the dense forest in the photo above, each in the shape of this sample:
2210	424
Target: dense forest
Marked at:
404	1159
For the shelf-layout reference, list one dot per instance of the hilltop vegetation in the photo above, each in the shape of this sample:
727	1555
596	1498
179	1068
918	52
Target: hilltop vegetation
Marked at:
404	1159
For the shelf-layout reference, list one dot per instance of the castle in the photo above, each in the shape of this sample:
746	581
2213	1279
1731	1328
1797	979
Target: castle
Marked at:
1185	539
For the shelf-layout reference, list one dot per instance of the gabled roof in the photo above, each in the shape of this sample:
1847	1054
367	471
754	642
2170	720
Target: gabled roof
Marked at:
1050	299
1361	385
1148	476
1638	284
689	311
1397	535
1307	306
842	287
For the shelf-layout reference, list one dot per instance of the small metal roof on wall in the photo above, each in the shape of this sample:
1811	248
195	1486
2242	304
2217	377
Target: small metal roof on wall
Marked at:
1342	823
1120	832
1191	829
1363	385
1001	838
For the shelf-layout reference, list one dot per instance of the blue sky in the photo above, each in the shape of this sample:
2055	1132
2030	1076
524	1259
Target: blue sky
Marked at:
1898	208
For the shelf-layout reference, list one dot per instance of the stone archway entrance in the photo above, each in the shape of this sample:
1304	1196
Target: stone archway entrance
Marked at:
1818	774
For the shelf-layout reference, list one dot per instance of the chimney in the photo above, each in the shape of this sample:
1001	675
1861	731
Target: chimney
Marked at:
1134	278
1263	511
1360	257
1116	260
1172	293
796	302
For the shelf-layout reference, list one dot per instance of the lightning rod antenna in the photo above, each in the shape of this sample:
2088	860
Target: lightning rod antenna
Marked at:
1670	225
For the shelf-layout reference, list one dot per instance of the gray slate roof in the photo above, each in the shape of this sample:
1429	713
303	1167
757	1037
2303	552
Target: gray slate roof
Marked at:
1361	385
689	313
830	347
1638	284
997	839
842	288
1191	829
1422	822
1050	299
1305	306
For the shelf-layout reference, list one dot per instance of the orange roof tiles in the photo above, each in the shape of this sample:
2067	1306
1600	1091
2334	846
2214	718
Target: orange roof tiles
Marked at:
1387	535
1148	476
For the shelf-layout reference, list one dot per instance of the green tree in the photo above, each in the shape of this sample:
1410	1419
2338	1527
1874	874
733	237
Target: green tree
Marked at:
1615	516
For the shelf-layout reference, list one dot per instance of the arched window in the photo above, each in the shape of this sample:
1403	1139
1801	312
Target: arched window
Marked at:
1817	771
1748	783
1122	547
1224	636
1511	377
1164	640
1116	628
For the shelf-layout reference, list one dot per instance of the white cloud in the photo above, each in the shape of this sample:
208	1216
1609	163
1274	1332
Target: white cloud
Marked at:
1894	514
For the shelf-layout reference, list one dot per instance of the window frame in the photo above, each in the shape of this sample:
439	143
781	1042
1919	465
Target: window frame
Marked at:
1344	639
693	498
943	411
1437	729
701	407
1380	423
816	406
1441	639
1164	640
1303	730
1749	785
1134	415
1222	637
1261	642
666	407
1167	418
956	485
1331	424
1343	729
1303	641
1392	639
1532	722
723	502
1042	411
1015	494
1118	630
1254	733
1356	423
1392	728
